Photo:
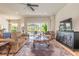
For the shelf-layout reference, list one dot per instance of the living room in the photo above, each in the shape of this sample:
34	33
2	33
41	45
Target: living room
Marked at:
36	29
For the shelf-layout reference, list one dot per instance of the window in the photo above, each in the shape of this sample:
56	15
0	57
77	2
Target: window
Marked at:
32	27
14	27
39	27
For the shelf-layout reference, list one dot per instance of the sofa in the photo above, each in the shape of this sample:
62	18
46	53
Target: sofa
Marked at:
17	41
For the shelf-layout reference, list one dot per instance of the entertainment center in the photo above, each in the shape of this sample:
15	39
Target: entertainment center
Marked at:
66	35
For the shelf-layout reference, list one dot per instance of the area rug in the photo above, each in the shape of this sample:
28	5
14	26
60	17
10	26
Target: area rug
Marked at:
53	50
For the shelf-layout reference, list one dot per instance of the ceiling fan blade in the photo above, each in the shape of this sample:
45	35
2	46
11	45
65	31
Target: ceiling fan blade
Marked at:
32	9
32	5
28	4
35	5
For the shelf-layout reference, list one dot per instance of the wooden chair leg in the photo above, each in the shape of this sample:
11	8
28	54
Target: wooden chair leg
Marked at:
9	48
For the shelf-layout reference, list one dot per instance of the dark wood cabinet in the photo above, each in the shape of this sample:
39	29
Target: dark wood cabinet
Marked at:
66	34
68	38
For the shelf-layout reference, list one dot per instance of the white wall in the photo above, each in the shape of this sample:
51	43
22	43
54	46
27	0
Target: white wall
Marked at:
52	21
48	20
4	23
69	11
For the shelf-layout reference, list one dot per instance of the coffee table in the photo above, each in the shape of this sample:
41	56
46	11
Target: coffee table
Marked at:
41	40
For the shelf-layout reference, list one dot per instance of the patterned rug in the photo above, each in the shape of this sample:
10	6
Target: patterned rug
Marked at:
41	50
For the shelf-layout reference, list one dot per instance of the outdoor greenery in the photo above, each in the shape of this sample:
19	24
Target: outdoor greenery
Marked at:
13	29
33	27
44	28
37	27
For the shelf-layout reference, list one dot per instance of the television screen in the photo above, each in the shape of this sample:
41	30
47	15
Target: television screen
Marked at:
68	26
62	26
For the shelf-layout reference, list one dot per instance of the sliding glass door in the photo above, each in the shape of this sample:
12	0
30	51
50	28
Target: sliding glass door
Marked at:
35	28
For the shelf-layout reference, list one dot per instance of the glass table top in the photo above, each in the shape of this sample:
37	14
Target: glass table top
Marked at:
38	37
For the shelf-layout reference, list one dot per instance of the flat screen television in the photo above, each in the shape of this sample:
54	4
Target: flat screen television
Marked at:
62	27
66	25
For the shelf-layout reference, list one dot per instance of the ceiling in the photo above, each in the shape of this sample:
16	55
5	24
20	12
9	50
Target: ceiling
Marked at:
19	9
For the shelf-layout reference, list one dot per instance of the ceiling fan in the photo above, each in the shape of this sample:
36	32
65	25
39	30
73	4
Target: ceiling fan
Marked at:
31	6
